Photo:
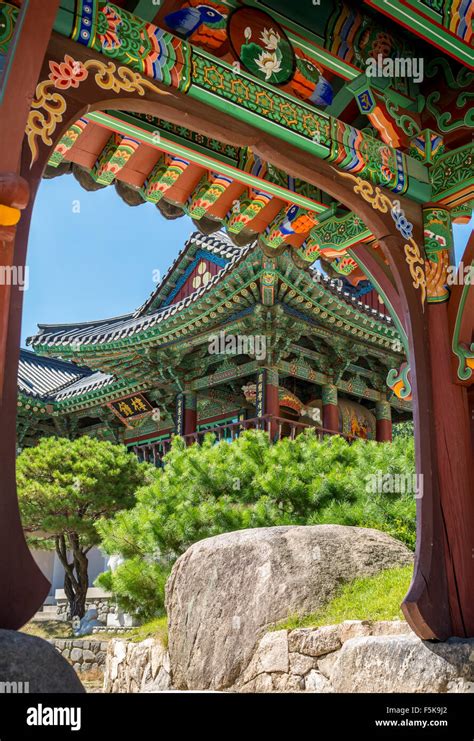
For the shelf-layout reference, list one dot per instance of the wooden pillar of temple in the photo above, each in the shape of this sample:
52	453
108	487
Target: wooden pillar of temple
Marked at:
272	394
190	413
22	585
267	397
186	413
330	408
452	436
383	415
452	428
470	398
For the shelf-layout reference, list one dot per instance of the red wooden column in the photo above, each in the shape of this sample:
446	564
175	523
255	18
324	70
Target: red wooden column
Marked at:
272	399
383	415
268	396
451	428
330	408
190	413
470	398
22	585
452	437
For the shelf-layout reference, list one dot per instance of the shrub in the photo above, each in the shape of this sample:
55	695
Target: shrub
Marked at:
220	487
403	429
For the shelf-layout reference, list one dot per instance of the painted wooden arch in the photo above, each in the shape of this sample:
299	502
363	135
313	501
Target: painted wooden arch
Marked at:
439	603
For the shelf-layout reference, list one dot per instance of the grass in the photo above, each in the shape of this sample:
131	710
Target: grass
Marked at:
49	629
156	628
371	598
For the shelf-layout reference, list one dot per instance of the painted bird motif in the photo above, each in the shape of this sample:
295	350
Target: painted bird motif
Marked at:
286	227
309	83
297	221
203	24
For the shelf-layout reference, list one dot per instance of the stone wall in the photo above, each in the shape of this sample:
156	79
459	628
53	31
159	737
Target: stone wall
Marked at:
84	655
98	629
358	656
355	656
104	607
137	667
108	612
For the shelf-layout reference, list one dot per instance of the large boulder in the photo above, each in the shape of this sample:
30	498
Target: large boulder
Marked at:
224	592
30	664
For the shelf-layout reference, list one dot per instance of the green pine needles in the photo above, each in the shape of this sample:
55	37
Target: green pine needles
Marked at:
206	490
64	488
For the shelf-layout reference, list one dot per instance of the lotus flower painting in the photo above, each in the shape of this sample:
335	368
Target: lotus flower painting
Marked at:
261	46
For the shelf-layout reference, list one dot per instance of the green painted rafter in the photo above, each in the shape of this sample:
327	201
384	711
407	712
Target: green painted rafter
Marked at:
122	124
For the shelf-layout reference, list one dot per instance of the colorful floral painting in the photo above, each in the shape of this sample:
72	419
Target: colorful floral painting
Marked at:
358	427
68	73
109	21
261	46
357	420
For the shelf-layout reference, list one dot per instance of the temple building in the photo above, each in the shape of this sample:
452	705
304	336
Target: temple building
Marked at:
229	340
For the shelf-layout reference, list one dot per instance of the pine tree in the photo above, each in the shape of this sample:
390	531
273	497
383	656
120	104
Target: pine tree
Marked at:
64	488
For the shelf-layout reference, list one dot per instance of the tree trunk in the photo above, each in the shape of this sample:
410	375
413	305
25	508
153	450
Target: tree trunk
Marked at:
69	592
78	604
81	568
76	574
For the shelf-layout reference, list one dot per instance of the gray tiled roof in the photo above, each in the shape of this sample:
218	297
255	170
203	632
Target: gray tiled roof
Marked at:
51	379
335	287
93	382
43	377
117	328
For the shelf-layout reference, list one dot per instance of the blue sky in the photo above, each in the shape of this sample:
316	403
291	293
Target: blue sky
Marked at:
97	263
100	262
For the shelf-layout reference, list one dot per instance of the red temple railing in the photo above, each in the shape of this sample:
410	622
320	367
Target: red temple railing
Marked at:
277	427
